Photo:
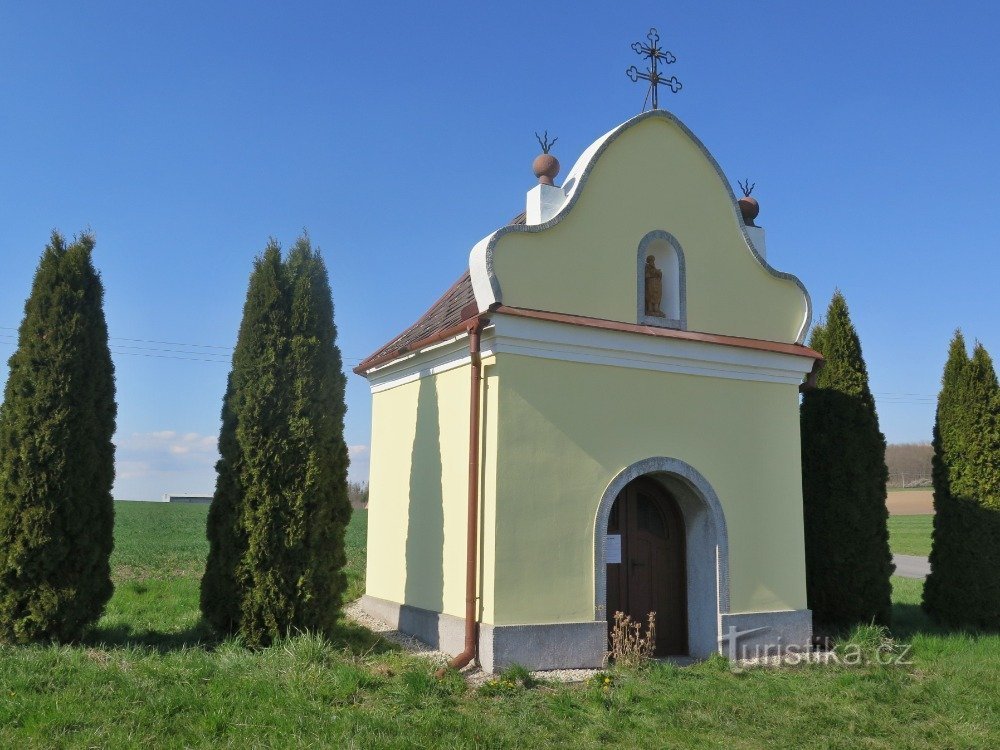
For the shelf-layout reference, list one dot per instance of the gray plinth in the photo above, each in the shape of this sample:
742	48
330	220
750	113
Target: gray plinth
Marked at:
571	645
752	635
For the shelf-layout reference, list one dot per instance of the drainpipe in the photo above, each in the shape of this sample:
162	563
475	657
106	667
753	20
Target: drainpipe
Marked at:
472	539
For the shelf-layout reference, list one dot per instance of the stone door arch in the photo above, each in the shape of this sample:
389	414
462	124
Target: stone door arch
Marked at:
706	543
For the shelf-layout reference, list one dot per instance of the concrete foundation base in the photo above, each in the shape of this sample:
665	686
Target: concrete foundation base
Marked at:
570	645
582	645
439	631
751	635
556	646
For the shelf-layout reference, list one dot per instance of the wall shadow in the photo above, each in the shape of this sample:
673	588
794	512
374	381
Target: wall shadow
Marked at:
425	518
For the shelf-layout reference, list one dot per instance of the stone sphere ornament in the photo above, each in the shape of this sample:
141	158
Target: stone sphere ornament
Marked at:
545	167
748	205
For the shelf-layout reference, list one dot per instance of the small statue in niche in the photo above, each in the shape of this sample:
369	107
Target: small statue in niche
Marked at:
654	289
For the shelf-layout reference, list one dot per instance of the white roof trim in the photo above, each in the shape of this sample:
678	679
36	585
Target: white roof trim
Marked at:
543	339
573	343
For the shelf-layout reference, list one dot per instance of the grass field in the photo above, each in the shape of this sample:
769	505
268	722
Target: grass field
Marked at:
911	535
149	675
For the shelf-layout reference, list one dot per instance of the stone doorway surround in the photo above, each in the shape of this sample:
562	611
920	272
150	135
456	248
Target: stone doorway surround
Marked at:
707	546
712	628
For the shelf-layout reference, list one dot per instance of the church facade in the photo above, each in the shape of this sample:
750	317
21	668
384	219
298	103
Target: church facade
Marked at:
600	415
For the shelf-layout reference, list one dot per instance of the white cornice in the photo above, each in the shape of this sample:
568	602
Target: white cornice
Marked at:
574	343
440	357
544	339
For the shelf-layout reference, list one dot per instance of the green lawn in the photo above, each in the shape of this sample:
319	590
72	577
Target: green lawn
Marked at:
150	676
911	535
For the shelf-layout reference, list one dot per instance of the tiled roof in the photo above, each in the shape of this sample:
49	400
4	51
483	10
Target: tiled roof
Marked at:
448	312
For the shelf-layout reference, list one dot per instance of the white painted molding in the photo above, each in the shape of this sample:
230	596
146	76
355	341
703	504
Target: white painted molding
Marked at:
756	235
440	357
509	334
481	274
574	343
544	202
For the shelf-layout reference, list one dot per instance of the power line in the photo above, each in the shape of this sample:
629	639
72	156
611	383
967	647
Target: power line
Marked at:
885	398
164	356
882	398
13	345
905	398
172	343
226	350
223	359
172	351
153	341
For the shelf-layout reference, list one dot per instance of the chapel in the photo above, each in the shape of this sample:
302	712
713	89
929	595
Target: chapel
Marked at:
600	415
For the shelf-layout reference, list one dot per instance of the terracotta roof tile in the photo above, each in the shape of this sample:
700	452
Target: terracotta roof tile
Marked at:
446	313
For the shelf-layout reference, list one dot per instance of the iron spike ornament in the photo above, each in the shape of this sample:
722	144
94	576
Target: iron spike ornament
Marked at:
655	55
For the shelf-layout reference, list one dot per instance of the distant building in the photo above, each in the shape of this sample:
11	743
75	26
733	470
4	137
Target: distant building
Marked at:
630	438
203	499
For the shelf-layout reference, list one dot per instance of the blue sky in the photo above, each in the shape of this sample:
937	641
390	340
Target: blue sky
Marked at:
185	134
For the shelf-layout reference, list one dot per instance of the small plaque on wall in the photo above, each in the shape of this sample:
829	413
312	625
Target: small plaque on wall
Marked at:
613	549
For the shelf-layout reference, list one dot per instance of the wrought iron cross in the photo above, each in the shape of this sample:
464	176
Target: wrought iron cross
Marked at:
655	55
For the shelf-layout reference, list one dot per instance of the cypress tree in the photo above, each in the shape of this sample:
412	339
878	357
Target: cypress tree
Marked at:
319	492
252	443
56	456
848	562
963	588
984	451
277	522
226	541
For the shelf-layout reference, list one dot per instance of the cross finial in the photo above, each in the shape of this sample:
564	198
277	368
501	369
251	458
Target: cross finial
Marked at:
655	55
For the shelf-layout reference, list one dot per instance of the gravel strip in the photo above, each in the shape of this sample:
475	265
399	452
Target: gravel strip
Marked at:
357	615
474	675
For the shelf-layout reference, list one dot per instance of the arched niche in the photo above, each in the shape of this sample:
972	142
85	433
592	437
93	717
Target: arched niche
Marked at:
668	259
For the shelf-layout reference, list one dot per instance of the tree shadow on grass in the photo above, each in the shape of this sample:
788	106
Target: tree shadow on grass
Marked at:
909	618
162	641
349	636
360	640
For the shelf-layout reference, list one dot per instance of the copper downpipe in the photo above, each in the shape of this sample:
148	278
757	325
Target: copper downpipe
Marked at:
472	534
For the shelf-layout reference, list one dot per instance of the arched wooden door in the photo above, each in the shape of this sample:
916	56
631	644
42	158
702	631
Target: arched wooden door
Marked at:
651	574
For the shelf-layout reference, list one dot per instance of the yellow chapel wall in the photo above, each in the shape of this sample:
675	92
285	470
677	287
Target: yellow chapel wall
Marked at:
568	428
653	176
419	490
